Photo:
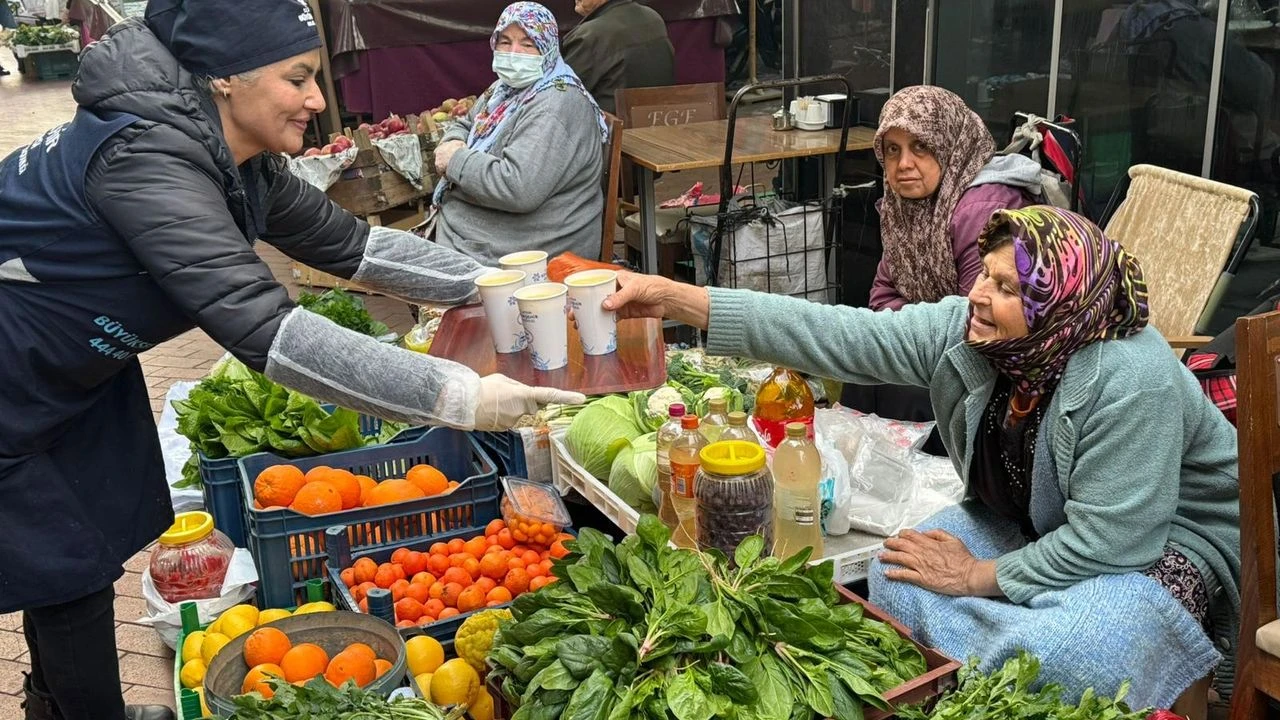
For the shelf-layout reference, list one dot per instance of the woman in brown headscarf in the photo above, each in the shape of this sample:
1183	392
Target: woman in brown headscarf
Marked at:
942	183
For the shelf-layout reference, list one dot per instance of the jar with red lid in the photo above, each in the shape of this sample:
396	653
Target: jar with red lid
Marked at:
191	560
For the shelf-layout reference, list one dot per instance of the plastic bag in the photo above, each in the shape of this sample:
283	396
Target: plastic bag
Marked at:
834	489
176	449
238	587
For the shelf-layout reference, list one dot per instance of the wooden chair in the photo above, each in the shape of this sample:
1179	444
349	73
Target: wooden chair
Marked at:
609	181
1183	230
1258	648
667	105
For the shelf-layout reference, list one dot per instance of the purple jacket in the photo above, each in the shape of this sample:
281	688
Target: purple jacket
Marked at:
970	216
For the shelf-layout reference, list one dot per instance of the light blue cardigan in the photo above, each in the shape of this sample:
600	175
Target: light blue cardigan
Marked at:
1131	454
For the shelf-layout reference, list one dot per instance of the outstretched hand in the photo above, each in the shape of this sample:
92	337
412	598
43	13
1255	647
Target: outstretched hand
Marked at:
652	296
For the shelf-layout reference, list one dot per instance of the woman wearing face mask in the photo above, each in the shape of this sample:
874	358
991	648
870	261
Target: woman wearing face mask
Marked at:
133	223
1101	530
942	182
522	171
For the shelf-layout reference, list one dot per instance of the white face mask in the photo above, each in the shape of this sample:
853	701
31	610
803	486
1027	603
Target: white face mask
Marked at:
517	69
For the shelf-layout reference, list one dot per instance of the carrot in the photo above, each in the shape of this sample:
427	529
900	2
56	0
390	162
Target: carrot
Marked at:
562	266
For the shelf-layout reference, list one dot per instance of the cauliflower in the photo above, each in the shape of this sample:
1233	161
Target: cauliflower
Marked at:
475	637
662	399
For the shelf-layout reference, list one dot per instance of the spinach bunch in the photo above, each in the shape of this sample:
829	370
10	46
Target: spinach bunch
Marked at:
318	700
344	309
37	35
647	631
1007	694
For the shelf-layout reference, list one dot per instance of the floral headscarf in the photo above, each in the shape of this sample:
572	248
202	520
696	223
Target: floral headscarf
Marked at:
916	233
503	102
1077	287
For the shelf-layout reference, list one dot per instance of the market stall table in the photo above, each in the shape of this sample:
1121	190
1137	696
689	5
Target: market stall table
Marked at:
701	145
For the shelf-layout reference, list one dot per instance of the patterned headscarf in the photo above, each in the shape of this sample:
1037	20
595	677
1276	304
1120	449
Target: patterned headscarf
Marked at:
916	233
1077	287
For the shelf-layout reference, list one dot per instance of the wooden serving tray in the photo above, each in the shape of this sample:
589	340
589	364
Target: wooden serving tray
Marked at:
639	364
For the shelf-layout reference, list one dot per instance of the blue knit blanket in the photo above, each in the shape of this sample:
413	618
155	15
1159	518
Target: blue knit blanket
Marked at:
1097	633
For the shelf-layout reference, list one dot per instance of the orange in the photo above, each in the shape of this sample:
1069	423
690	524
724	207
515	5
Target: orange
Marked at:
381	666
471	598
437	564
423	577
494	547
385	576
317	473
535	570
476	547
399	555
499	594
436	591
495	526
457	545
408	609
394	491
348	577
472	566
558	550
365	568
399	590
487	583
515	562
366	484
448	613
457	559
256	679
348	487
277	485
317	498
405	624
419	591
505	539
399	571
517	581
531	557
304	662
430	480
539	582
432	608
457	575
426	620
360	648
414	563
439	548
493	565
265	646
451	592
350	666
520	549
364	605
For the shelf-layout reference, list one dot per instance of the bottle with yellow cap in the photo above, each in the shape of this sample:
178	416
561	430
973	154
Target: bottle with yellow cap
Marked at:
735	495
191	560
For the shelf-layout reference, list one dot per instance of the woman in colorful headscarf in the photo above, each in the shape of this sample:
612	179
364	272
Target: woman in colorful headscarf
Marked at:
1101	530
942	183
522	171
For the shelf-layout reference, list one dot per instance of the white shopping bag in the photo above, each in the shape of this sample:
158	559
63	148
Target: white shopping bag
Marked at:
238	587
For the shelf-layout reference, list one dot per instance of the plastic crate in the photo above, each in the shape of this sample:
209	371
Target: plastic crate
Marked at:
60	65
507	449
852	553
221	480
289	547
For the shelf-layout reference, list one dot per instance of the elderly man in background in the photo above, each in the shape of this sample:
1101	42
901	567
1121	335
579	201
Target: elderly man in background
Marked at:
619	44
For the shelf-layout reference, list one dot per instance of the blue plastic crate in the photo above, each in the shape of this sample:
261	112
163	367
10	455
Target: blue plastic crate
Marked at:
57	65
221	479
289	548
507	449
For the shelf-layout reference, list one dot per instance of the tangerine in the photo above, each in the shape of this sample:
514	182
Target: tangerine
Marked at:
366	484
487	583
451	593
394	491
423	577
458	559
436	591
265	646
385	576
531	557
437	564
278	485
439	548
505	539
448	613
558	550
419	591
476	547
494	565
361	649
515	562
381	666
348	487
414	563
399	555
472	566
408	609
535	570
539	582
457	575
317	498
471	598
303	662
430	480
361	591
399	590
348	577
256	679
317	473
432	608
499	594
517	581
350	666
495	526
457	545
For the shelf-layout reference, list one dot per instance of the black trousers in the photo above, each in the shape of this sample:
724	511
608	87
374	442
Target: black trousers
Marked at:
73	656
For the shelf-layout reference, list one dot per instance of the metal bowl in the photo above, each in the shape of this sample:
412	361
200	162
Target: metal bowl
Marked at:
332	631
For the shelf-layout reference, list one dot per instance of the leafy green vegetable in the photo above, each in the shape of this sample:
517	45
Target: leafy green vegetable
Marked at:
343	308
1007	694
36	35
318	699
635	472
600	431
643	630
236	412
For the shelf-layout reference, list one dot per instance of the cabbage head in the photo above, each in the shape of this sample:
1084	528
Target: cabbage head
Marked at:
635	473
600	431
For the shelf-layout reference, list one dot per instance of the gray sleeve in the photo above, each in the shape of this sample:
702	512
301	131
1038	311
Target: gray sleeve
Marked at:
402	264
318	357
848	344
535	159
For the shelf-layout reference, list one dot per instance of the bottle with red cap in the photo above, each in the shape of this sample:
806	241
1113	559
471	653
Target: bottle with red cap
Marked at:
783	398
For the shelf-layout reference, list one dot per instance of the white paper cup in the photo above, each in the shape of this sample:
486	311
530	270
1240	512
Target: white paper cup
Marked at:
501	310
533	263
542	310
597	327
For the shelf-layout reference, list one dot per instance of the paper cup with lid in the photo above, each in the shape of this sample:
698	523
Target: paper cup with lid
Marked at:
533	263
543	308
497	294
597	327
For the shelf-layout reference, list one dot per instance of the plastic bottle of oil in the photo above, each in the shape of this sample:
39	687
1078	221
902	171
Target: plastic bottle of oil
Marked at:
716	420
797	504
666	434
685	462
785	397
738	430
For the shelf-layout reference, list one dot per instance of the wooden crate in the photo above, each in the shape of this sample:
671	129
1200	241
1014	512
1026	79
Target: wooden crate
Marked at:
369	186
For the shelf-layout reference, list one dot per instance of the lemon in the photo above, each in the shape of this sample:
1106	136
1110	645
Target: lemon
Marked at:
214	627
424	654
234	626
454	683
482	708
192	673
191	646
204	708
315	607
248	612
272	615
213	642
423	682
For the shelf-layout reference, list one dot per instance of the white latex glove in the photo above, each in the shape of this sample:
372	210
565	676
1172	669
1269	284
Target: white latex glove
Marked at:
504	401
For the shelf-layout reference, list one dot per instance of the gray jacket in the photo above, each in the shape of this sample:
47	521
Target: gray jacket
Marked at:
537	188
